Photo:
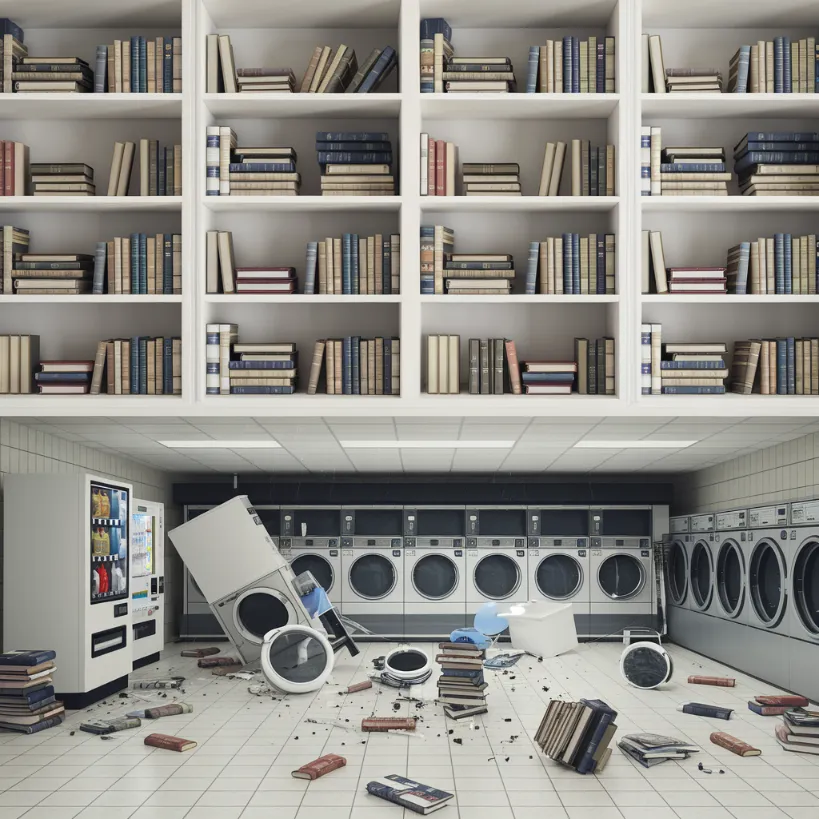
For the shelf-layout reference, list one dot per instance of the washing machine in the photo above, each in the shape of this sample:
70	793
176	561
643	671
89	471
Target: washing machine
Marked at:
496	559
318	550
728	562
621	565
770	556
240	572
558	558
372	568
701	562
435	577
677	548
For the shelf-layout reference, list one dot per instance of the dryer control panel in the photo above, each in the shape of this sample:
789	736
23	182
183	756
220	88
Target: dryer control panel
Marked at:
702	523
768	516
434	542
803	512
730	521
360	542
287	543
621	543
679	526
496	542
558	543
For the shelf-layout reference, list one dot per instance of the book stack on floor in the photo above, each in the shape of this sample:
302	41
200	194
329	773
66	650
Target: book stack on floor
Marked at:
491	179
577	734
592	169
461	686
354	265
444	364
39	75
479	274
572	264
356	366
19	355
436	49
53	274
64	377
478	75
13	50
548	377
27	701
355	163
775	705
778	264
139	264
799	730
700	80
62	179
138	366
786	366
268	80
139	65
439	168
652	749
596	366
784	163
15	242
778	66
572	66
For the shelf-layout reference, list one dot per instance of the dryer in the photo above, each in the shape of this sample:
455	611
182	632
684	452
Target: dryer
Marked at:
728	562
762	521
770	557
677	549
496	560
558	558
622	570
318	550
701	562
804	614
372	568
244	578
435	577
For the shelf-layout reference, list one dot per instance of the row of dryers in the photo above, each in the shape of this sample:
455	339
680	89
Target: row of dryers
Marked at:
423	571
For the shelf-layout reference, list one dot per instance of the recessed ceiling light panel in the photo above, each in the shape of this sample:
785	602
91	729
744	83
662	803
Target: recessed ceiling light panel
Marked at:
211	443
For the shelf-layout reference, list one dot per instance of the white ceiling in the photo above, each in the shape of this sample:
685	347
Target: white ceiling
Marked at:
311	445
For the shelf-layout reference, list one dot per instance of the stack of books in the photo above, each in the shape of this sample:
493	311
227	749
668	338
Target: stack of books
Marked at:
266	280
596	366
681	171
261	372
444	364
693	368
701	80
40	274
355	163
19	355
479	274
434	52
354	265
269	80
15	171
235	171
63	179
478	75
592	169
778	264
652	749
138	366
15	242
139	65
572	66
572	264
13	51
799	731
577	734
437	245
439	167
356	366
160	169
139	264
778	66
548	377
27	701
784	163
697	280
491	179
40	75
461	686
64	377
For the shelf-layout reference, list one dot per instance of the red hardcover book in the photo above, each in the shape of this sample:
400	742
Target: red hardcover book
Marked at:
514	368
723	682
440	167
169	743
431	169
199	652
792	700
320	767
361	686
380	724
734	745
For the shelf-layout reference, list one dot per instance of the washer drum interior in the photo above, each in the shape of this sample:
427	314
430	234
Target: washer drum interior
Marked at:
296	659
646	665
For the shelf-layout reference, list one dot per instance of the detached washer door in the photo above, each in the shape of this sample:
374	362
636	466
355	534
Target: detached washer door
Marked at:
435	576
496	576
319	566
621	576
806	587
559	576
261	610
767	575
372	576
730	578
702	576
296	659
677	573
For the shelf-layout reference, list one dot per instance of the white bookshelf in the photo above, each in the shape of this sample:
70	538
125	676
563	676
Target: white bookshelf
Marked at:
486	128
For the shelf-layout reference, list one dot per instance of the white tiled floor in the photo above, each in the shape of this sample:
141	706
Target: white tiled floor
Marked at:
249	745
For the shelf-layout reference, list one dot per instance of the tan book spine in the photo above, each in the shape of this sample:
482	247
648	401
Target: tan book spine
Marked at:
337	266
116	167
126	265
307	79
322	268
432	365
150	352
125	170
769	67
378	241
315	367
454	366
364	366
371	357
5	365
159	366
320	69
117	49
150	244
150	69
126	67
330	367
338	367
546	171
110	383
176	66
558	66
443	364
158	56
577	186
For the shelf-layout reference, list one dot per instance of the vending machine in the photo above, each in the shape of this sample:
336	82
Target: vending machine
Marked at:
147	581
67	578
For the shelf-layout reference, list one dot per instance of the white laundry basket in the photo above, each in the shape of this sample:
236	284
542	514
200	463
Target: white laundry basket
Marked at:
542	628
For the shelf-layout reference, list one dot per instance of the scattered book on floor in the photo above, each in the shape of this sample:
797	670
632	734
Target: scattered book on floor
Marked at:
382	724
319	767
799	731
409	794
720	682
110	726
169	743
205	651
652	749
734	745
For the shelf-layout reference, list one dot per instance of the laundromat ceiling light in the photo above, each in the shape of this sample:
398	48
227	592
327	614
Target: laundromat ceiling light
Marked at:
211	443
633	444
427	444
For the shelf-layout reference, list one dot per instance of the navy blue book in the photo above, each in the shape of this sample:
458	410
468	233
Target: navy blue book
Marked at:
167	65
355	270
262	390
352	146
409	794
352	136
262	167
134	81
347	365
351	157
787	147
162	164
167	366
387	373
545	378
787	80
696	167
575	65
24	658
134	283
379	72
531	74
787	243
58	377
567	65
601	266
143	365
429	28
167	264
32	700
779	262
346	265
476	265
290	364
51	722
779	136
386	267
10	27
692	365
715	390
775	158
593	153
575	263
779	65
133	366
601	67
143	264
781	366
601	718
356	365
567	263
791	347
467	673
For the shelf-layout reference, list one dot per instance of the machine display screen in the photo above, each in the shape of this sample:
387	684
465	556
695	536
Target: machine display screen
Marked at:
320	522
375	522
630	522
499	522
559	522
442	522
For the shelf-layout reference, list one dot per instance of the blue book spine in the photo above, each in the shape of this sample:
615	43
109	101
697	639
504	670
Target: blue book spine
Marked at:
45	377
134	264
601	67
693	390
785	147
816	71
352	158
310	268
161	163
134	82
346	265
143	65
696	167
540	378
787	80
567	65
779	66
167	65
791	346
386	267
167	366
567	264
133	366
435	25
593	153
262	390
742	69
779	263
100	253
575	263
531	269
261	167
382	66
461	672
601	267
744	265
143	264
692	365
776	158
387	366
782	136
347	366
289	364
167	264
817	267
10	27
531	75
143	365
575	65
781	366
354	146
356	355
355	272
787	244
352	136
586	763
100	85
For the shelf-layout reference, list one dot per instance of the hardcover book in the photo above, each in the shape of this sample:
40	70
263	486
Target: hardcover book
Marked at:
380	724
170	710
409	794
734	745
169	743
320	767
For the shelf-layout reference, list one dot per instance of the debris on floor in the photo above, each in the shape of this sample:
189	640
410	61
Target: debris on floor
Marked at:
199	652
214	662
163	682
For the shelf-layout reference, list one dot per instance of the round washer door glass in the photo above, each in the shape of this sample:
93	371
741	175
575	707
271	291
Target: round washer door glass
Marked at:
297	658
702	575
677	573
372	576
730	578
766	583
319	566
621	576
806	586
559	577
259	611
496	576
435	577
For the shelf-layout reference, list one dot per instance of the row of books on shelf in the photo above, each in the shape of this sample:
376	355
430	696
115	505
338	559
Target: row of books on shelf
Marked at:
680	368
494	368
139	65
355	163
356	366
572	264
328	71
572	66
160	169
141	365
19	356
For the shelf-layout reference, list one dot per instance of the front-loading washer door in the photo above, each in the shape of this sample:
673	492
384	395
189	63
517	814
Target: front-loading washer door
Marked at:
677	573
730	578
621	576
435	576
372	576
559	576
702	576
767	576
260	610
319	566
806	587
496	576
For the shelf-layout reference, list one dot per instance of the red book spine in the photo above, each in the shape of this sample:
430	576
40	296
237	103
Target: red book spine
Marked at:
793	700
440	167
2	169
431	168
514	370
723	682
362	686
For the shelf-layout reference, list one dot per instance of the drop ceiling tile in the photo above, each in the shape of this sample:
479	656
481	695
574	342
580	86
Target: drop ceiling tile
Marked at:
568	421
364	432
342	420
491	432
425	432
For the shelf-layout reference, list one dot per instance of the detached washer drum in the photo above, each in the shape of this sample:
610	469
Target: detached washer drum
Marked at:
296	659
646	665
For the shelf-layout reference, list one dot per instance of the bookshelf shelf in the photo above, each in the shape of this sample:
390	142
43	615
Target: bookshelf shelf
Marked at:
299	298
520	299
283	106
733	300
290	204
518	106
729	106
92	299
91	204
488	204
90	106
729	204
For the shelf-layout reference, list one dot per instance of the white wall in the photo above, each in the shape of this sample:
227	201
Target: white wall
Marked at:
26	450
785	472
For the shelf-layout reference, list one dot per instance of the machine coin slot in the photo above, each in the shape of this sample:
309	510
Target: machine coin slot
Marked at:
495	542
308	542
120	610
154	586
333	552
520	553
371	541
433	542
112	639
396	553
